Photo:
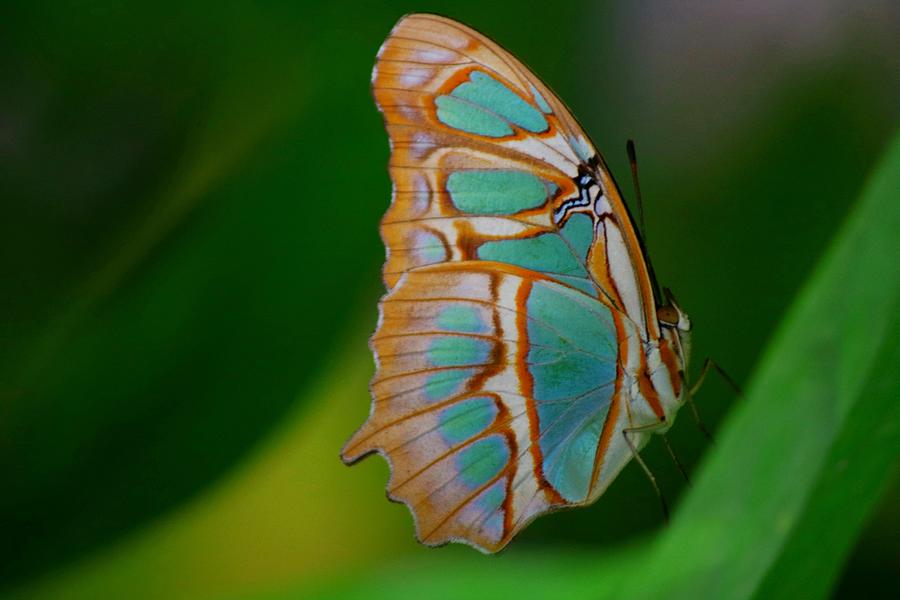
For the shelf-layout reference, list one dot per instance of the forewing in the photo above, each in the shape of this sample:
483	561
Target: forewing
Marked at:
483	151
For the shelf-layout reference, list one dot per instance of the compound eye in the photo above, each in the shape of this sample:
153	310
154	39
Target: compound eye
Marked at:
668	315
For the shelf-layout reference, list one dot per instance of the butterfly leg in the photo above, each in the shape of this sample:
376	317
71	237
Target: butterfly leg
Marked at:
707	365
632	430
674	456
696	414
711	364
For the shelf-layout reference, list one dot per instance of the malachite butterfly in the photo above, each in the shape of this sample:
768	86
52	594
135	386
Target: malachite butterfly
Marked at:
521	337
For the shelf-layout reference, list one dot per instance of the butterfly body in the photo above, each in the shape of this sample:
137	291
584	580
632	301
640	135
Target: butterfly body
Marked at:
520	340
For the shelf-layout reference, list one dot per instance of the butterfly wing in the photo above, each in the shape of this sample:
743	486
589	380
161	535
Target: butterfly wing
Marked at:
504	332
456	105
495	399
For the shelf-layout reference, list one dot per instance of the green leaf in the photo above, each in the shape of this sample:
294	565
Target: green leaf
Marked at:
776	466
848	487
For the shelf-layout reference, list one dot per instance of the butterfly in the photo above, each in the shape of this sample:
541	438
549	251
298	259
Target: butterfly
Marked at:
523	353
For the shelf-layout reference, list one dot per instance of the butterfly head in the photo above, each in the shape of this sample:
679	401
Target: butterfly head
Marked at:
676	326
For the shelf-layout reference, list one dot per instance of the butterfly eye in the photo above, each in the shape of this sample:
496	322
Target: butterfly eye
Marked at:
668	315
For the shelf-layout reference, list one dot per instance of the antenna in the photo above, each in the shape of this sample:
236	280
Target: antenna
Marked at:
641	230
632	158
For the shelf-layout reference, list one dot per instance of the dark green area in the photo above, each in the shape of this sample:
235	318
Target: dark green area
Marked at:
189	199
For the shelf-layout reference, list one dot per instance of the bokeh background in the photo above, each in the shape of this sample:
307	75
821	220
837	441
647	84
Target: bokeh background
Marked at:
190	263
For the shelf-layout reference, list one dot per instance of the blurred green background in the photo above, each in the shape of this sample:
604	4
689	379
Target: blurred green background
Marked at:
190	264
